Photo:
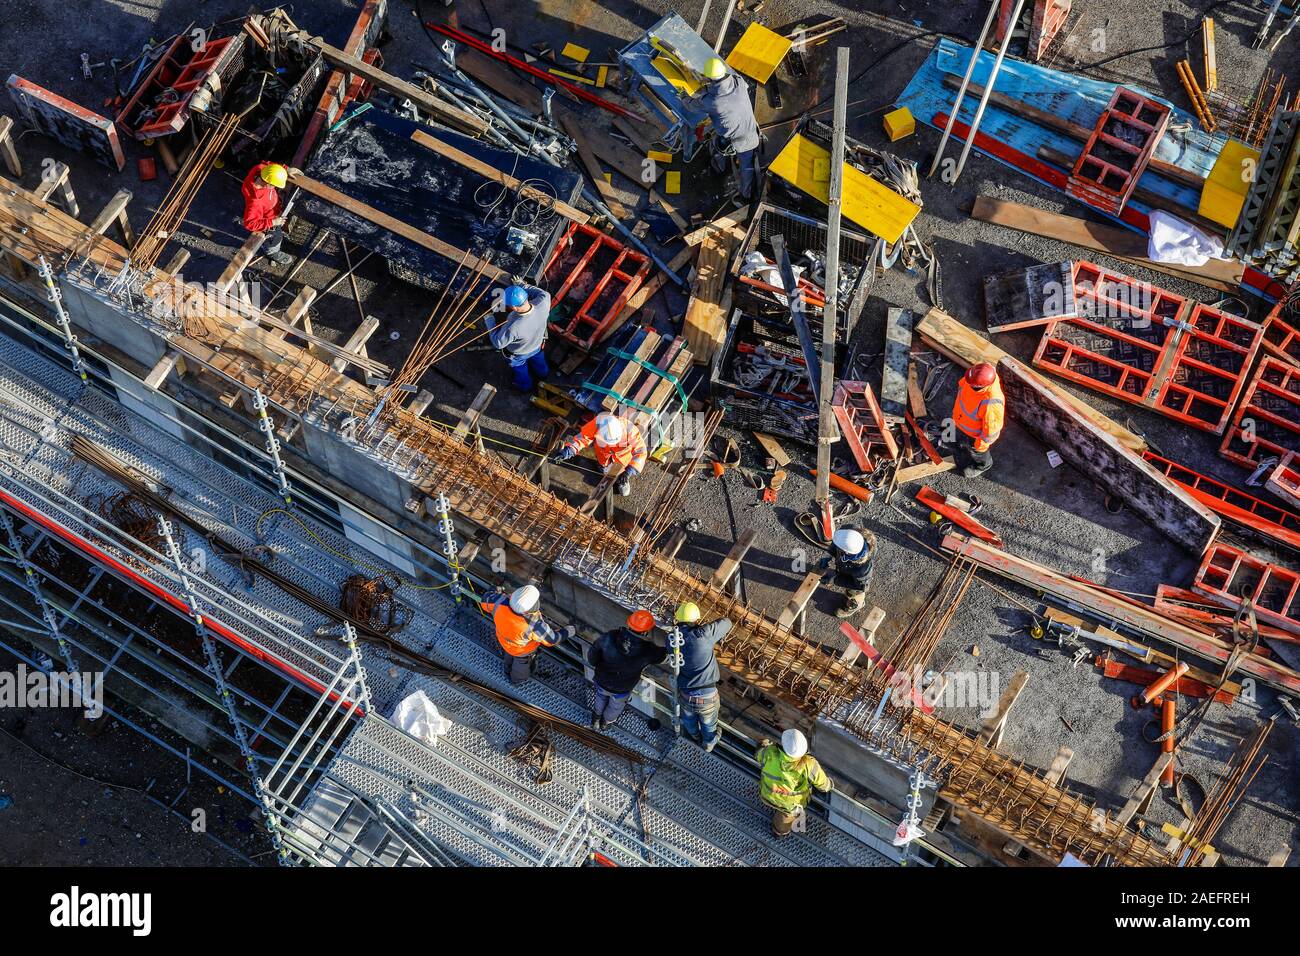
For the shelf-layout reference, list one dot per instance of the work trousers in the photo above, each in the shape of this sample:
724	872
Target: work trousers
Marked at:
609	707
527	367
520	668
748	163
700	716
783	821
970	460
274	238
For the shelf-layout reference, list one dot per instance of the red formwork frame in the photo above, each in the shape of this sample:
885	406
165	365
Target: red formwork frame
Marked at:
1191	608
1228	574
1047	19
1176	362
1284	481
1098	291
862	423
1257	514
1281	338
1257	432
177	74
629	268
1109	167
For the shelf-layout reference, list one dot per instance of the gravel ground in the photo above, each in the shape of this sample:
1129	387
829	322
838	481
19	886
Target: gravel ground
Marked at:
1054	516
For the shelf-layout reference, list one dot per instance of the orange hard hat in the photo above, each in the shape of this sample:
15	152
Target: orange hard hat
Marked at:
642	622
981	375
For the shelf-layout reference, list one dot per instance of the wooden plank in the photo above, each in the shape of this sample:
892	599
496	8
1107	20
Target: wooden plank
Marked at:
451	115
1144	789
1141	620
705	322
993	726
915	397
799	600
547	200
177	263
7	151
897	359
159	372
730	224
773	449
1224	275
396	226
965	347
663	388
924	470
588	159
875	618
357	343
500	79
1060	763
51	179
115	211
421	402
1097	454
731	563
469	418
240	261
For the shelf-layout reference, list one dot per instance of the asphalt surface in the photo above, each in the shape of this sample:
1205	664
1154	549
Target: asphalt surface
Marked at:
1051	515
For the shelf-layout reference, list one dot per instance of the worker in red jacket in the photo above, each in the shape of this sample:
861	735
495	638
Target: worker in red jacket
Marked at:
618	444
264	207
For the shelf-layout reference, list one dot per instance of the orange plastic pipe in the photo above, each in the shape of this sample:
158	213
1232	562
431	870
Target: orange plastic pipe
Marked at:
1158	686
1167	746
846	486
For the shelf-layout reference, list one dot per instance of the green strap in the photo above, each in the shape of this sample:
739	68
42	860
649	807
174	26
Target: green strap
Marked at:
617	397
648	366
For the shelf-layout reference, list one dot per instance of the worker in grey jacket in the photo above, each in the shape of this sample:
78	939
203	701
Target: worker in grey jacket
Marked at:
521	337
698	676
727	101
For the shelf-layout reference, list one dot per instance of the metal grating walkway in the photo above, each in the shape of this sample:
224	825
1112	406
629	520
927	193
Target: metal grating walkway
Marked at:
686	807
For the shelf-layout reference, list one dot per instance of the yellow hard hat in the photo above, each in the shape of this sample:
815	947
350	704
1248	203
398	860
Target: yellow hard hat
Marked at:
715	69
275	174
688	612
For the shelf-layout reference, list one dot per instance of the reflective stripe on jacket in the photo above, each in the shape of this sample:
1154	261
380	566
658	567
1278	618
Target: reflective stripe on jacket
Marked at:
978	412
788	784
631	453
516	633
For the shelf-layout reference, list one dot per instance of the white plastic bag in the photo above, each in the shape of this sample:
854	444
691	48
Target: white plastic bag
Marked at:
1173	240
419	717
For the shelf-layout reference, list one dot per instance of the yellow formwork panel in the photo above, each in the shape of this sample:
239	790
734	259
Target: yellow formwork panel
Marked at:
1229	181
758	53
871	205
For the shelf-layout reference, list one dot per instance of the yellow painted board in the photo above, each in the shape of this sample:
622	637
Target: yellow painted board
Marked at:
758	53
899	123
577	54
871	205
659	156
671	72
1229	180
673	182
601	76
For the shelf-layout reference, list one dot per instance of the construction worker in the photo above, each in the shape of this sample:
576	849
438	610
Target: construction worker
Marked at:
521	629
617	442
787	776
977	415
264	207
617	658
697	678
726	98
853	554
521	337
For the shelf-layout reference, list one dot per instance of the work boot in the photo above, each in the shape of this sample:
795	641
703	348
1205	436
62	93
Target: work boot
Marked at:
711	743
624	486
974	471
854	601
595	722
281	258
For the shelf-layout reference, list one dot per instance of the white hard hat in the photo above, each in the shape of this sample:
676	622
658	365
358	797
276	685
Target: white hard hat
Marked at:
609	429
525	599
794	743
849	541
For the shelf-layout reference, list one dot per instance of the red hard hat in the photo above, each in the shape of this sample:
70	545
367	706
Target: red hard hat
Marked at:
642	622
981	375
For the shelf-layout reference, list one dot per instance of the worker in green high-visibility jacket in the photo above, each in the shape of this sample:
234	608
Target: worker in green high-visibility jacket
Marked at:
788	774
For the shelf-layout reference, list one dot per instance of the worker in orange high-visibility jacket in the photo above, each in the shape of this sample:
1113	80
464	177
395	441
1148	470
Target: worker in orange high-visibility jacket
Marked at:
977	415
521	629
618	444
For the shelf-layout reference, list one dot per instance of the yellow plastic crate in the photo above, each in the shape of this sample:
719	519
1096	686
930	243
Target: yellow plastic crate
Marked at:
758	52
899	123
870	204
1229	181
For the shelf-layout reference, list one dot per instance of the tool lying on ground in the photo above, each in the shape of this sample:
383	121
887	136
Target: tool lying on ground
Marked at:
941	506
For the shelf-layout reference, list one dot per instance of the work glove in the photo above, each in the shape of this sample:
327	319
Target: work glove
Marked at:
565	453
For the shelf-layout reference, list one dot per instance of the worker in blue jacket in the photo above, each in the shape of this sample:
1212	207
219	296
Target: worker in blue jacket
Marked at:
698	676
521	336
853	556
726	98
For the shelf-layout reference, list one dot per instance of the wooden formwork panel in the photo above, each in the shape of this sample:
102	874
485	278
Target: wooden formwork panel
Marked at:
70	124
1267	420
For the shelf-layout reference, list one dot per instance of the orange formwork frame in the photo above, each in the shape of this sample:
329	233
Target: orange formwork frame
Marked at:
1267	420
862	423
1227	573
1118	151
629	268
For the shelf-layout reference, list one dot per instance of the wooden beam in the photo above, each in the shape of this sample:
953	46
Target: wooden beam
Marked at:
729	224
705	321
159	372
469	418
1060	763
395	226
993	726
177	263
731	563
1138	618
451	115
56	180
674	544
1144	790
7	151
115	211
799	600
1097	454
875	618
443	148
924	470
420	404
356	345
965	347
773	449
240	261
